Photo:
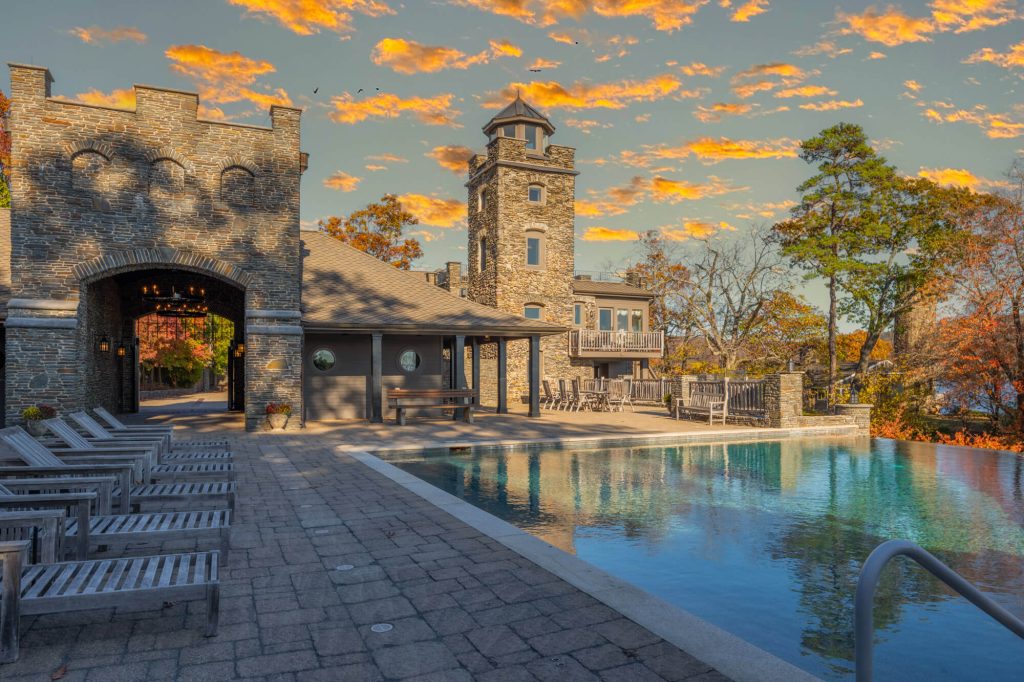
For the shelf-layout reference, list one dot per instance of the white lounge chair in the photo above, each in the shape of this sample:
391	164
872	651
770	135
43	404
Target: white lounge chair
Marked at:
99	583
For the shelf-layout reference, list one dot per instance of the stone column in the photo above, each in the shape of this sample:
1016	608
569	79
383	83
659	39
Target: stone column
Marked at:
502	375
534	380
859	414
376	378
784	399
273	365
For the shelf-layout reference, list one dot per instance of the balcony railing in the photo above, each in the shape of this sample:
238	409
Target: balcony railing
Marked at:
591	343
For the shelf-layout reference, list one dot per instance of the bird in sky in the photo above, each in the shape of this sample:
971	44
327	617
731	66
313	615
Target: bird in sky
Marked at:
316	90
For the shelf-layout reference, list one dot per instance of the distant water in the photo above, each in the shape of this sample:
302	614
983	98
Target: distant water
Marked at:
766	539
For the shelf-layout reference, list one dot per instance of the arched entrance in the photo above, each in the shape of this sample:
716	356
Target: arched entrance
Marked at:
147	324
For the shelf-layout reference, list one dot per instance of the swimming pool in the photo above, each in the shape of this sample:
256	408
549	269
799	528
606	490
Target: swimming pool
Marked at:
765	539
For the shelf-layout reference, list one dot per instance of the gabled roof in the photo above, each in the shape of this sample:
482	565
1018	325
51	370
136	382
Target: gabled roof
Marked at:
518	110
619	289
345	289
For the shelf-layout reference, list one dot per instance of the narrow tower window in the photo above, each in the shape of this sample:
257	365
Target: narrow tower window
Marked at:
535	194
483	253
535	249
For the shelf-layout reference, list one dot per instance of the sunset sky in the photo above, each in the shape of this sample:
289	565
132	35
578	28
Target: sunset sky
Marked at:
685	114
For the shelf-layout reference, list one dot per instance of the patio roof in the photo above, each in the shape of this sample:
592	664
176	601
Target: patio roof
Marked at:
344	289
601	288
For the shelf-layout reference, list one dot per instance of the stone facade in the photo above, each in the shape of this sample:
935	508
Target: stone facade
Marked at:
784	399
98	193
498	226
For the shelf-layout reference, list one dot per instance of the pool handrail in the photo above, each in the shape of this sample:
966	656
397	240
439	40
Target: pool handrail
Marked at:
871	571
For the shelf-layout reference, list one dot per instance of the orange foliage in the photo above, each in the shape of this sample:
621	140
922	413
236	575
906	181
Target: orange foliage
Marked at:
848	346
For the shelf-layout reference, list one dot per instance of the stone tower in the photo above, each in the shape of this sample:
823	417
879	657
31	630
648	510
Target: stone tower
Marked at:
521	197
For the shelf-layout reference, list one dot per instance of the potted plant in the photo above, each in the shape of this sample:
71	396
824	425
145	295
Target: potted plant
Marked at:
277	414
669	403
34	417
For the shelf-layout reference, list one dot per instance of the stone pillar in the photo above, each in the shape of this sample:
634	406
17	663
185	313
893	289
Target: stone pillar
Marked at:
376	379
273	365
42	356
859	413
534	378
502	375
784	399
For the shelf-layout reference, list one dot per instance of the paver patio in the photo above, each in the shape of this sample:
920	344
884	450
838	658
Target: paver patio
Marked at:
323	548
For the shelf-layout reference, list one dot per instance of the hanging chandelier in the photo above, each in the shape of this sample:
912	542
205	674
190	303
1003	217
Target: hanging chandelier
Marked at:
192	303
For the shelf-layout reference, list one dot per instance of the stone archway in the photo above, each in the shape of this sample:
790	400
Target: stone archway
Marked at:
113	299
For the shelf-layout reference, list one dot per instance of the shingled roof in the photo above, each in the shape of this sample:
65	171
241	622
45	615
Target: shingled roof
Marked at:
598	288
518	110
345	289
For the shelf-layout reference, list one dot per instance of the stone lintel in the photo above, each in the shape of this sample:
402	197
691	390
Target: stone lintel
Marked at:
42	322
274	329
273	314
49	304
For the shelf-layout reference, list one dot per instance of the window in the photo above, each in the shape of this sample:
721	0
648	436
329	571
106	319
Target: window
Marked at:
533	251
638	320
535	194
483	253
577	315
508	131
323	359
409	361
622	320
604	319
532	312
531	137
481	199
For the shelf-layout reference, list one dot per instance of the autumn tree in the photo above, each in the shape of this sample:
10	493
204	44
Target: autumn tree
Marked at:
825	232
659	271
5	152
377	230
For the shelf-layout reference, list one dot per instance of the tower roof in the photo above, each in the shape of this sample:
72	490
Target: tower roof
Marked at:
518	110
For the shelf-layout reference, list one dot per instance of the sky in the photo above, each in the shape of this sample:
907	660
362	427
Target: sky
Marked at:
686	114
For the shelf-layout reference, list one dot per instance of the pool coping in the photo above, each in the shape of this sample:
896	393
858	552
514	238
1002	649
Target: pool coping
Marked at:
730	655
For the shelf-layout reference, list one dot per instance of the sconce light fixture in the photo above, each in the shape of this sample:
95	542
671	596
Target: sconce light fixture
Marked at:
104	344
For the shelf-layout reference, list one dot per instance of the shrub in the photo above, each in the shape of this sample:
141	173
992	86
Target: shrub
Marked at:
279	408
37	412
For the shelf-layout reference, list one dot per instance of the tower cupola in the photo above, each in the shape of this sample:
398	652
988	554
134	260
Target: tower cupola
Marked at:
521	121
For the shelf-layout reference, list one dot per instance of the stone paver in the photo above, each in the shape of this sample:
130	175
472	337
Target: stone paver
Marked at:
323	548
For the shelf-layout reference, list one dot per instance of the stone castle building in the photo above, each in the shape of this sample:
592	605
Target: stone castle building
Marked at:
521	250
118	214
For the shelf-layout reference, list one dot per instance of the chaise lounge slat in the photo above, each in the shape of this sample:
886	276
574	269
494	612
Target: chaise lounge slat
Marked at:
95	430
183	492
158	527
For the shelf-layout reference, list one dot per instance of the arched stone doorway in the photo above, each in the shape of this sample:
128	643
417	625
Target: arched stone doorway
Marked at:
177	288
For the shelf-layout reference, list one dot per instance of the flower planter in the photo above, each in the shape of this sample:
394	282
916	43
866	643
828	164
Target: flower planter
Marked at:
277	421
35	427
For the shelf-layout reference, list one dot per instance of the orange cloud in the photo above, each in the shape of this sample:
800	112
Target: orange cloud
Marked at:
961	16
613	200
586	95
832	105
765	77
694	229
665	15
388	158
1012	59
224	77
719	110
452	157
433	210
425	235
996	126
94	35
766	210
749	9
959	177
374	167
891	27
712	150
541	63
343	182
306	17
436	110
913	86
116	99
702	69
877	55
609	234
805	91
674	191
409	57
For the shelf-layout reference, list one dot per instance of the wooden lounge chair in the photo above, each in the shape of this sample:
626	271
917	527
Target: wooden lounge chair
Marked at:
117	425
86	529
99	583
96	430
72	438
146	492
43	529
185	470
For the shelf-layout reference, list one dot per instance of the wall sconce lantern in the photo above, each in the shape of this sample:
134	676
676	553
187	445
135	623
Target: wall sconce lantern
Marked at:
239	351
240	347
121	350
104	345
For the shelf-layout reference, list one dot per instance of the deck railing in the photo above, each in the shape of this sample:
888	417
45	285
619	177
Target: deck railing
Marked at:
593	341
744	397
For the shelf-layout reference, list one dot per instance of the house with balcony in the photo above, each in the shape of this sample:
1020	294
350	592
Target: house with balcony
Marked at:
611	327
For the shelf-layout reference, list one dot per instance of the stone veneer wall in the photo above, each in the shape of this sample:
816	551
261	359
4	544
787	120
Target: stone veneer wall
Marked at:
507	283
98	191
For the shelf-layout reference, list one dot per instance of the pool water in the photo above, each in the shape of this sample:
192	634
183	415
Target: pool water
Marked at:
765	540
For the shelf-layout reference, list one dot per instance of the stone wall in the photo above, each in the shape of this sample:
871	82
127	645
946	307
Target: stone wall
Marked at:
97	191
784	399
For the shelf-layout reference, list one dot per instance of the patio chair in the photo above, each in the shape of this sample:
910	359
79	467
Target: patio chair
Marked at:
550	399
99	583
43	529
565	403
86	529
95	430
146	492
119	426
178	471
619	395
581	400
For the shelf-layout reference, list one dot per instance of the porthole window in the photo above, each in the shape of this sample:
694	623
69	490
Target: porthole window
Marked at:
323	359
409	361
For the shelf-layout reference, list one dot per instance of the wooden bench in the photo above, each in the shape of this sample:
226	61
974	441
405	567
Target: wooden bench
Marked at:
462	401
703	402
99	583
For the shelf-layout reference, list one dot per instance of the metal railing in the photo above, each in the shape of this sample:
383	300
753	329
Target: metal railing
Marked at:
864	602
593	341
